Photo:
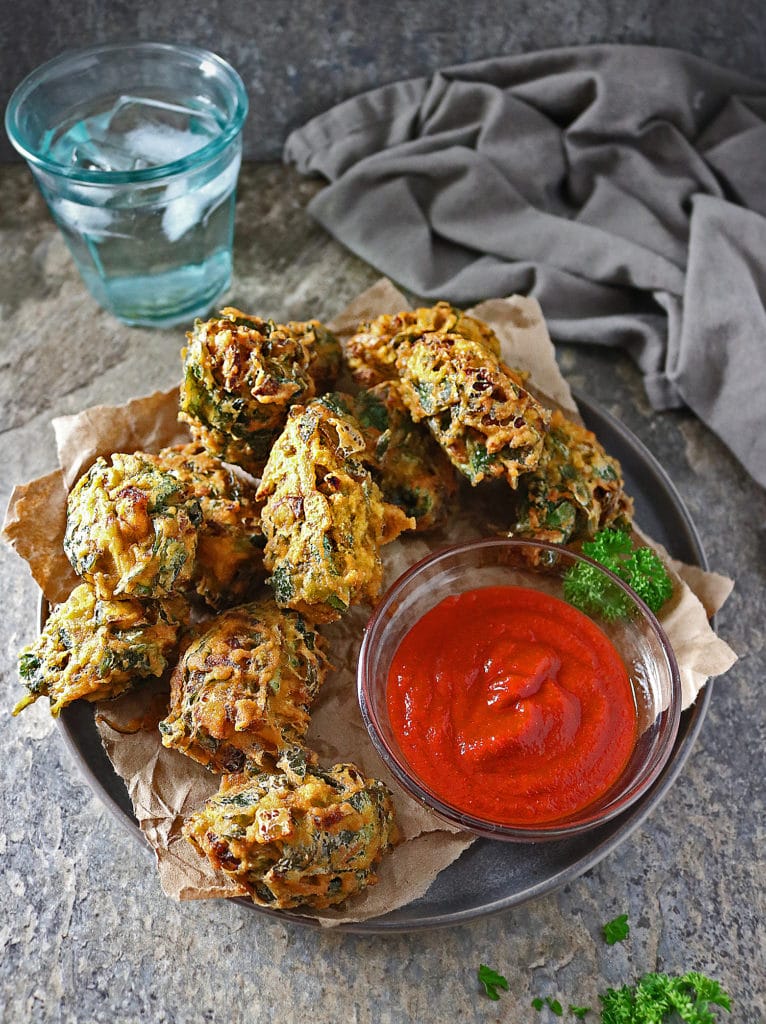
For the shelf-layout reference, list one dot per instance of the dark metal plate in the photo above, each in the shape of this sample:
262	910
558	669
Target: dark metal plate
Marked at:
491	876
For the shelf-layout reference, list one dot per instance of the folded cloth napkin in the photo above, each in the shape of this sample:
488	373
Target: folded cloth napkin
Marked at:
622	186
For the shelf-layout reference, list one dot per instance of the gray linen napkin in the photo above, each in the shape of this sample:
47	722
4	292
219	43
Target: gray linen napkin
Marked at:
623	186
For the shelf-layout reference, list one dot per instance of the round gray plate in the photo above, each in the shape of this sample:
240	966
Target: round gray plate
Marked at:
489	876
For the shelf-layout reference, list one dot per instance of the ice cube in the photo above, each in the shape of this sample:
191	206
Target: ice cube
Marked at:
93	221
156	145
185	211
131	112
156	132
95	155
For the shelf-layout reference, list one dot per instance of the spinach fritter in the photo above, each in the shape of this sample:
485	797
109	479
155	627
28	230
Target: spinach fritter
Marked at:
94	648
241	374
575	490
325	353
407	464
131	528
243	688
324	516
474	405
307	837
371	351
229	559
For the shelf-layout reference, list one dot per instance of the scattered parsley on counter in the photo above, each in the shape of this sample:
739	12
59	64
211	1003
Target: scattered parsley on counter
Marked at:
617	930
654	999
657	997
491	981
592	592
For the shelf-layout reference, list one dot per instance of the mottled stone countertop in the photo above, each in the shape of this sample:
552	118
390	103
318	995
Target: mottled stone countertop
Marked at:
85	932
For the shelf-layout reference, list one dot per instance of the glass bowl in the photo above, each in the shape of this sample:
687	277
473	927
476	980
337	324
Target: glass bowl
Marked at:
638	638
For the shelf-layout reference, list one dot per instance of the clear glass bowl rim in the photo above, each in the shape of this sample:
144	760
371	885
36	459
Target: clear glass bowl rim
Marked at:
556	830
197	159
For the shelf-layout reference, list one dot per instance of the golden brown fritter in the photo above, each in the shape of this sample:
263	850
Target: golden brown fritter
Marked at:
371	351
324	517
229	559
95	649
244	687
474	405
242	373
575	490
131	529
407	464
325	353
307	837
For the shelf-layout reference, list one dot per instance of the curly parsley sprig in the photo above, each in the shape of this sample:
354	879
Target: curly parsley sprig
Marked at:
657	997
593	592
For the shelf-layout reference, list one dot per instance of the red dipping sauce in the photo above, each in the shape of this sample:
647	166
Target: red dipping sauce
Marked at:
512	706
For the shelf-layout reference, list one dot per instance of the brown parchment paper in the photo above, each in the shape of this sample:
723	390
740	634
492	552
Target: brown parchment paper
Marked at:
165	786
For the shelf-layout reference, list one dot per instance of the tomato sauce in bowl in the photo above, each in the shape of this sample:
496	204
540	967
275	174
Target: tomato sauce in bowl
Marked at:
511	706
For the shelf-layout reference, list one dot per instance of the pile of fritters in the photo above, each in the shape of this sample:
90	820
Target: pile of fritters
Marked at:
173	549
195	570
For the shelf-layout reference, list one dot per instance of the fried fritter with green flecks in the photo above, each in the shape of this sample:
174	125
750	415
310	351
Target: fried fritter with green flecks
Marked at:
229	559
371	351
241	374
307	837
243	689
132	529
93	648
325	353
324	516
475	406
408	465
575	490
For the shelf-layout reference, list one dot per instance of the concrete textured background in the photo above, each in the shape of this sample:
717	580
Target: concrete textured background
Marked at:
299	58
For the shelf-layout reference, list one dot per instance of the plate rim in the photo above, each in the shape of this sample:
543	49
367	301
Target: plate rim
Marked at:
633	818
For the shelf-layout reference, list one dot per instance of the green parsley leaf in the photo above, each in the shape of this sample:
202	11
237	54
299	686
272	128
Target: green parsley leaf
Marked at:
708	990
591	590
491	981
659	998
648	577
553	1005
594	593
609	547
579	1011
617	930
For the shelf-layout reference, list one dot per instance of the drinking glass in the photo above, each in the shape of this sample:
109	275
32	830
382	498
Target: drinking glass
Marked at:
136	149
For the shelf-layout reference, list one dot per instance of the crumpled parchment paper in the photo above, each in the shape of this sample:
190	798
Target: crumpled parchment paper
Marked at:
164	785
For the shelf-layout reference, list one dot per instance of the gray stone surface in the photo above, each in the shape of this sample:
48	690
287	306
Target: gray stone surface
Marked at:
86	934
298	59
